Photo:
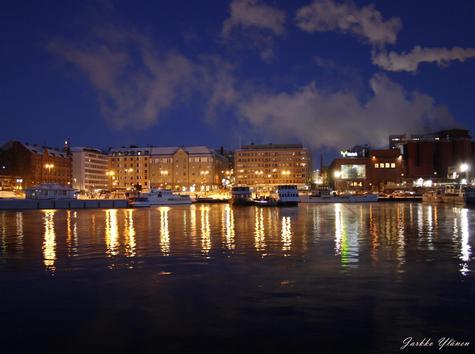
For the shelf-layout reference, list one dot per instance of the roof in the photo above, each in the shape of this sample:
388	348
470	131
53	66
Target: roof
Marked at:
192	150
37	149
272	146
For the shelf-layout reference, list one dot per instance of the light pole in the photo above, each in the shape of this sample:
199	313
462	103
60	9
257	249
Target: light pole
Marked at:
111	175
49	167
464	168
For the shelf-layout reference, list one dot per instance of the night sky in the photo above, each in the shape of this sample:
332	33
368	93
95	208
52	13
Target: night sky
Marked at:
329	74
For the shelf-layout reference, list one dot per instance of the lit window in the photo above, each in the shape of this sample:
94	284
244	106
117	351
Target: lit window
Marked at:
387	165
376	165
393	165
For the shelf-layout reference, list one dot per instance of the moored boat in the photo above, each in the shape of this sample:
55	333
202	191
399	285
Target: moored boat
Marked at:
469	195
241	196
326	195
287	195
166	197
139	202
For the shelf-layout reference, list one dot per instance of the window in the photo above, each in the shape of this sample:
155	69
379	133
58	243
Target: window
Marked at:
387	165
393	165
376	165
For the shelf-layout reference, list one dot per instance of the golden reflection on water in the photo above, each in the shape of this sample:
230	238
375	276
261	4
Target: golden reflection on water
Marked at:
373	231
229	241
3	244
164	231
19	231
49	241
338	228
112	233
286	233
205	230
130	243
259	240
401	243
465	249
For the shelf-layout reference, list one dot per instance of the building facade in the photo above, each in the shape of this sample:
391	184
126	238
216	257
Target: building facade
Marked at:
32	164
375	170
269	165
129	168
434	155
187	168
90	170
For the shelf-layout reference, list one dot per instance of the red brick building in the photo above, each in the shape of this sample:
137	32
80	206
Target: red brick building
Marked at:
34	164
432	155
376	170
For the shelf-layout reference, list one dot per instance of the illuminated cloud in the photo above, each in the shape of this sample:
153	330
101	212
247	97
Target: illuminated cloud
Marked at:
365	22
339	119
259	24
393	61
254	14
132	89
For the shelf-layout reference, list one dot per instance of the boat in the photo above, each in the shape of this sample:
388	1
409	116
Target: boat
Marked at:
287	195
241	196
469	195
265	202
50	191
326	195
450	195
166	197
139	202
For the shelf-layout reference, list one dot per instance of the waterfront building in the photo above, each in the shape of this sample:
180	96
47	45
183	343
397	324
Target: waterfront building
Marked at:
434	155
31	164
129	167
90	168
368	170
266	166
187	168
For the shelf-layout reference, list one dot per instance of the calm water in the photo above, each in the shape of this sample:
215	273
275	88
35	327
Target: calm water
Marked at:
341	278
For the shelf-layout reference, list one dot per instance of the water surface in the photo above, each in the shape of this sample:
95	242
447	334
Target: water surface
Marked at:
317	278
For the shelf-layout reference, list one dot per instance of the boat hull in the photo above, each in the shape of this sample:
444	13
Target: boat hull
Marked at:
370	198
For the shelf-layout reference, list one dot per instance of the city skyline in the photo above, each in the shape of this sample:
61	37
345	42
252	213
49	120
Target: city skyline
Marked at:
109	74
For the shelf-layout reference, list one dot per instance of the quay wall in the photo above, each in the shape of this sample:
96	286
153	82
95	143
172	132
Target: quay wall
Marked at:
29	204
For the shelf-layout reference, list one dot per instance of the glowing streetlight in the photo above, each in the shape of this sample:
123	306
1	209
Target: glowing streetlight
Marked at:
464	167
337	174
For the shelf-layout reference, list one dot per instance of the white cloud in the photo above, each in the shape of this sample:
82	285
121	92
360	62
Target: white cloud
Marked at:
393	61
134	83
339	119
253	14
365	22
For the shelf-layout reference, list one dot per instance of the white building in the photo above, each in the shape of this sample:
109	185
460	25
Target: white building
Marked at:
90	169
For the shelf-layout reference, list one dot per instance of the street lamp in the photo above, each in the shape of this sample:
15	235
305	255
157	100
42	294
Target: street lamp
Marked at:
464	167
49	167
337	174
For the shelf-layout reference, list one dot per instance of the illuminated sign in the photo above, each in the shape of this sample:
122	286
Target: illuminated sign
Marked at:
347	153
353	171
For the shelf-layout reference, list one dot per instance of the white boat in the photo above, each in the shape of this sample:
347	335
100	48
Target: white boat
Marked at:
50	191
325	195
450	195
166	197
287	195
139	202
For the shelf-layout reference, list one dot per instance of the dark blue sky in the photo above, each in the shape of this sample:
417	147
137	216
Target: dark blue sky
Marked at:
327	73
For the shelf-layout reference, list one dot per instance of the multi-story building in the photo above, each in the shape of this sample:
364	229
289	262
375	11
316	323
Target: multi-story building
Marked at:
375	170
265	166
32	164
434	155
91	170
187	168
129	167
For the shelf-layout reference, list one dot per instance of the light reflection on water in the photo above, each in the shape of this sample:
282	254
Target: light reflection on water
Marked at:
209	271
49	240
361	235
